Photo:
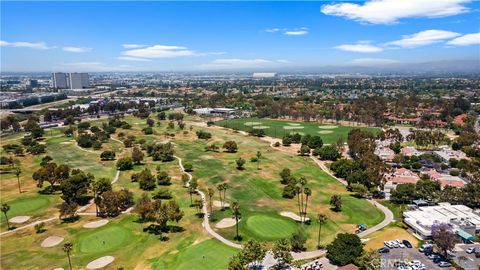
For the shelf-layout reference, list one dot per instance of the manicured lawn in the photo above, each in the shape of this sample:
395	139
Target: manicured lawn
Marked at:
209	254
329	133
268	227
27	206
104	239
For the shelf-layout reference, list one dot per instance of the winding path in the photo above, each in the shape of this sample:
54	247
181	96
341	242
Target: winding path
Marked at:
79	212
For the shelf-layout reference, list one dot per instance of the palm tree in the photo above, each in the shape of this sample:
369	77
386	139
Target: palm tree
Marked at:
298	190
322	219
236	214
308	193
224	189
210	193
17	171
5	208
259	155
67	247
220	188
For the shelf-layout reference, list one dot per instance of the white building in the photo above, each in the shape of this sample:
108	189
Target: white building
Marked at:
464	221
264	75
59	80
78	80
214	111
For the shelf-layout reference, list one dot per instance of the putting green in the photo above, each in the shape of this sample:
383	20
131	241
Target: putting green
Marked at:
252	123
328	127
260	127
104	239
325	132
26	205
268	227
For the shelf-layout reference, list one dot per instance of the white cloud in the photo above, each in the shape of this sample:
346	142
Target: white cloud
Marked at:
133	46
465	40
22	44
94	66
372	61
135	59
361	47
272	30
76	49
296	33
391	11
423	38
235	63
160	51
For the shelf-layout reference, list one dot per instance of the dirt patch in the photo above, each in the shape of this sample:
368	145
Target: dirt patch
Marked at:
96	224
100	262
292	216
225	223
51	241
219	204
19	219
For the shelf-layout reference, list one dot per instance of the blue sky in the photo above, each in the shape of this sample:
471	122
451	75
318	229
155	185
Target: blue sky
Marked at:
171	36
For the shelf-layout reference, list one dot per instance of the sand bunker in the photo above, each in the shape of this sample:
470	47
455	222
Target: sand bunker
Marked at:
252	123
66	143
324	132
226	223
260	127
293	124
328	127
219	204
100	262
51	241
96	224
19	219
293	127
293	216
60	268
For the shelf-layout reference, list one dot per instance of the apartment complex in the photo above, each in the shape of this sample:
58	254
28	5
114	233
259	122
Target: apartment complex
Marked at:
70	80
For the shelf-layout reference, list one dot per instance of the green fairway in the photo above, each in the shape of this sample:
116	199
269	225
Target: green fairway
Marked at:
103	239
329	133
27	206
268	227
209	254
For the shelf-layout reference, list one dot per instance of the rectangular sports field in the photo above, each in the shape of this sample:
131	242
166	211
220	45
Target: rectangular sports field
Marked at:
329	133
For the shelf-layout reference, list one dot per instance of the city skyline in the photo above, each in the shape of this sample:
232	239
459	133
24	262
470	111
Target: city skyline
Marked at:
212	36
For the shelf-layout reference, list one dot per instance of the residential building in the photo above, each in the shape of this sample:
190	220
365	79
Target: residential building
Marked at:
400	176
59	80
409	151
445	179
78	80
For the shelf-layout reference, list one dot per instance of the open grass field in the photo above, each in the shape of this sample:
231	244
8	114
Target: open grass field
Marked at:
258	191
329	133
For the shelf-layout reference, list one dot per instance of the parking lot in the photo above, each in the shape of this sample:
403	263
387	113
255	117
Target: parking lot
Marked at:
401	254
467	261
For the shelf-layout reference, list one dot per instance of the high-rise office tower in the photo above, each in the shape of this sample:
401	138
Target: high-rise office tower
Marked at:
59	80
78	80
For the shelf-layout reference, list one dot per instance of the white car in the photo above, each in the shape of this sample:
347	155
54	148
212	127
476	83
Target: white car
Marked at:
470	250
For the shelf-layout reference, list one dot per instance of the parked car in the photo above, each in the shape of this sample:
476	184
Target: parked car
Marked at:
384	250
444	264
470	250
407	243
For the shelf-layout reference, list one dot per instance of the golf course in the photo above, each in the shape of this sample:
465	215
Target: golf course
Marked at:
134	243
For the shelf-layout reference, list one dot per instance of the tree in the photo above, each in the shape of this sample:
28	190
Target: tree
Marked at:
185	179
304	150
137	155
125	163
403	193
308	192
281	252
336	202
230	146
236	262
192	189
17	171
144	207
210	192
259	155
253	253
298	240
5	208
100	186
240	162
236	214
107	155
315	142
345	249
150	122
328	152
76	186
146	180
68	210
359	189
188	167
67	248
163	178
322	219
443	237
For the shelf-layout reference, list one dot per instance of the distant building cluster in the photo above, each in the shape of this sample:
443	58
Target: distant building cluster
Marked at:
12	100
73	80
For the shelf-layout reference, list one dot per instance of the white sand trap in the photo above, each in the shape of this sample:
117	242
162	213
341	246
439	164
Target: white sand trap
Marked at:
252	123
51	241
19	219
60	268
260	127
96	224
100	262
293	127
324	132
328	127
292	216
66	143
219	204
226	223
293	124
